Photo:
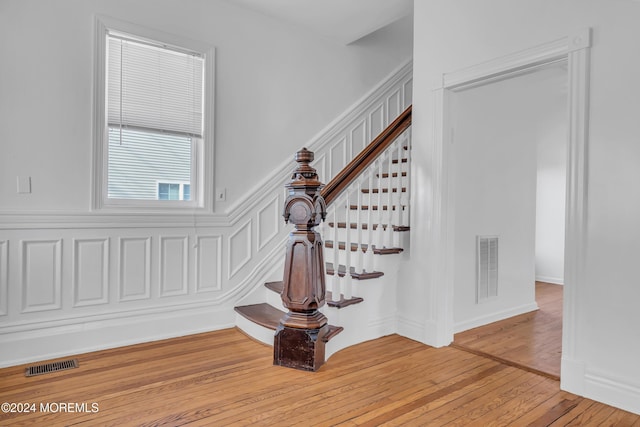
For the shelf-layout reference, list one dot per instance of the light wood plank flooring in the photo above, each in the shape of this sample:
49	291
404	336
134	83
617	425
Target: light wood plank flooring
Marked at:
532	340
224	378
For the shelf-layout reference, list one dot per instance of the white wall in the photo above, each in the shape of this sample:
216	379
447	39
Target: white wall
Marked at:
551	178
276	86
452	35
494	190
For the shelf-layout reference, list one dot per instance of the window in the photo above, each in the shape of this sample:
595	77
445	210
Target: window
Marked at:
174	191
154	95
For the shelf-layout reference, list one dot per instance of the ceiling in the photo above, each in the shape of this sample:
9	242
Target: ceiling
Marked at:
343	21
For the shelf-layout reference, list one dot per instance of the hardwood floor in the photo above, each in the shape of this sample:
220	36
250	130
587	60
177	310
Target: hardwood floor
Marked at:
224	378
531	341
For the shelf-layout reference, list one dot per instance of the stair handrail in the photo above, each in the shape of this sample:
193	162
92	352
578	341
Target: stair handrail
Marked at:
366	157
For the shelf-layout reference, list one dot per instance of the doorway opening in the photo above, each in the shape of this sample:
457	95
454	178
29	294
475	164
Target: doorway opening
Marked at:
508	180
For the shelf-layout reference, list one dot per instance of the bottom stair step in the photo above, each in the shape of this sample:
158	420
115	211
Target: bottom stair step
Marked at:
268	316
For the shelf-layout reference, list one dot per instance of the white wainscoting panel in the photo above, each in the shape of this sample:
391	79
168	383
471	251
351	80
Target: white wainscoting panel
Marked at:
239	248
41	271
90	279
320	165
408	93
394	106
4	277
268	222
338	156
134	268
174	265
359	137
208	263
377	120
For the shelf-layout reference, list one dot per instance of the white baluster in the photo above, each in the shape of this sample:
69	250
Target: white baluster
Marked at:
368	261
388	232
408	178
380	228
335	285
346	290
358	235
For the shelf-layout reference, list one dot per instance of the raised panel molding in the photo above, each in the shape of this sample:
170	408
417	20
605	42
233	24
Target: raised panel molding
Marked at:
337	157
239	248
134	268
377	120
174	265
268	222
41	275
359	137
208	263
394	105
407	88
90	272
320	164
4	277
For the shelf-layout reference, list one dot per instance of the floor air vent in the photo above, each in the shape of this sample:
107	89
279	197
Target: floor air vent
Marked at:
48	368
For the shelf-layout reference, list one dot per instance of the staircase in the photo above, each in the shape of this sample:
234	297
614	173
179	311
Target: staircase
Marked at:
365	235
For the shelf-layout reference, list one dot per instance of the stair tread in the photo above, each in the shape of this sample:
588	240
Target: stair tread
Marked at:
393	174
268	316
375	207
384	190
354	226
278	286
365	247
358	276
263	314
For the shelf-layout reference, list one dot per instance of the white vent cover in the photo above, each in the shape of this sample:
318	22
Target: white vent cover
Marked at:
487	262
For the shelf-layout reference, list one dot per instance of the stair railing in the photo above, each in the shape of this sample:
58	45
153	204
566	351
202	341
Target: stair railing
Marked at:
369	207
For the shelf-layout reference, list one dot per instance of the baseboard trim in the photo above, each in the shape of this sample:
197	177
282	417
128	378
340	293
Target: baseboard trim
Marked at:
494	317
576	378
549	279
63	341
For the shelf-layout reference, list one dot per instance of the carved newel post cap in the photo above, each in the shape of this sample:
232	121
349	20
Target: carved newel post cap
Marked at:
304	206
304	176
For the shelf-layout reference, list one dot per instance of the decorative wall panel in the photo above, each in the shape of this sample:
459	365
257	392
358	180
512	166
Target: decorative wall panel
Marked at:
268	222
4	277
377	121
239	248
90	271
320	165
208	263
408	93
41	275
337	157
174	266
394	105
135	268
359	138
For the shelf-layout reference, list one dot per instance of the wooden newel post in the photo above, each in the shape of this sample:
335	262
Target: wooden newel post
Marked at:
300	338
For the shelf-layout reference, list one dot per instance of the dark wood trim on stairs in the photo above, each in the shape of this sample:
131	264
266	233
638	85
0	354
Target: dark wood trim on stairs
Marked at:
278	286
342	270
365	226
384	190
347	175
268	316
364	247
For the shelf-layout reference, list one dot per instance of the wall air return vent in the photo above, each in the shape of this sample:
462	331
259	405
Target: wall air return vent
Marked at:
487	268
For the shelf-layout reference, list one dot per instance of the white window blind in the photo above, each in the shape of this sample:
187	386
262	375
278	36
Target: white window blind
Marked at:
154	88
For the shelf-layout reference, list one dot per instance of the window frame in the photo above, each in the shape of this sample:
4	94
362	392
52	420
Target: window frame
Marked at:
202	149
